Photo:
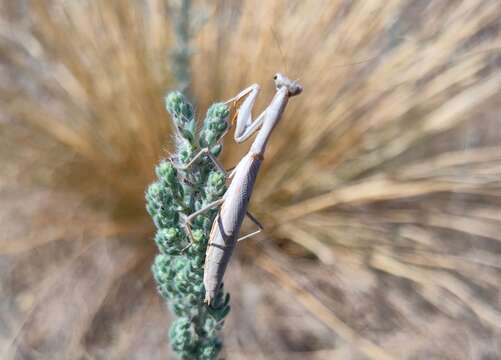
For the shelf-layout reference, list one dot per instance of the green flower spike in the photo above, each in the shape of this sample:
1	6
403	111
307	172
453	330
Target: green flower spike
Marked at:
178	192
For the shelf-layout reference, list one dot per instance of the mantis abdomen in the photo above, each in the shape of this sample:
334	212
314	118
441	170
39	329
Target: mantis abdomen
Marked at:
226	227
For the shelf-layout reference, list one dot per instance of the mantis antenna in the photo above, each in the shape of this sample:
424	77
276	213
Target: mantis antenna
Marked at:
277	41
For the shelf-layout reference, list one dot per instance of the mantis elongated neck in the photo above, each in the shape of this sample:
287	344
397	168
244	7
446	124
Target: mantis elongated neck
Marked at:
273	115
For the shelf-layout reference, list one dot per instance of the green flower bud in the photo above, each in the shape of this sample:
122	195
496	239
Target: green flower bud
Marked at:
182	114
216	185
167	172
185	151
166	217
216	149
169	241
198	235
153	198
162	269
179	108
183	335
209	351
215	123
218	113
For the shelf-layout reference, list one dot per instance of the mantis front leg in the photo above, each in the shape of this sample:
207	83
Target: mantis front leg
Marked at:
245	126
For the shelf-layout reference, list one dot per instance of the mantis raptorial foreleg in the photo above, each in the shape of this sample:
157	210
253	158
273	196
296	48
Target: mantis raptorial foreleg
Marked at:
245	126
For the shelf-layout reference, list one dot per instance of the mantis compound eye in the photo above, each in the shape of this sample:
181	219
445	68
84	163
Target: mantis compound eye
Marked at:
275	77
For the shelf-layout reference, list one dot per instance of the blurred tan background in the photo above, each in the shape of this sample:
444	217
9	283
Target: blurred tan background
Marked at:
380	193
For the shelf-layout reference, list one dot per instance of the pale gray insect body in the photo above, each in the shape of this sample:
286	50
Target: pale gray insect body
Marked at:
226	227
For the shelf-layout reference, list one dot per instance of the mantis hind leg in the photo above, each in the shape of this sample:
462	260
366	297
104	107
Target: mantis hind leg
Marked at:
229	173
255	221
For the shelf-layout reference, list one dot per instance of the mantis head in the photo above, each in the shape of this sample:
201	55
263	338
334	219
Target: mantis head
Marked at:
293	87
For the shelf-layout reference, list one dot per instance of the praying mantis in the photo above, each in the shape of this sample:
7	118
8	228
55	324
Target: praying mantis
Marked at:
233	205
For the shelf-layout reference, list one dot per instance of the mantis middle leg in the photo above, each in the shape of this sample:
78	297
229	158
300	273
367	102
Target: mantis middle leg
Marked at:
245	126
204	151
189	218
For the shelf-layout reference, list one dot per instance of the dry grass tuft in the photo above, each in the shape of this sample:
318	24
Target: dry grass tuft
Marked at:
381	190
